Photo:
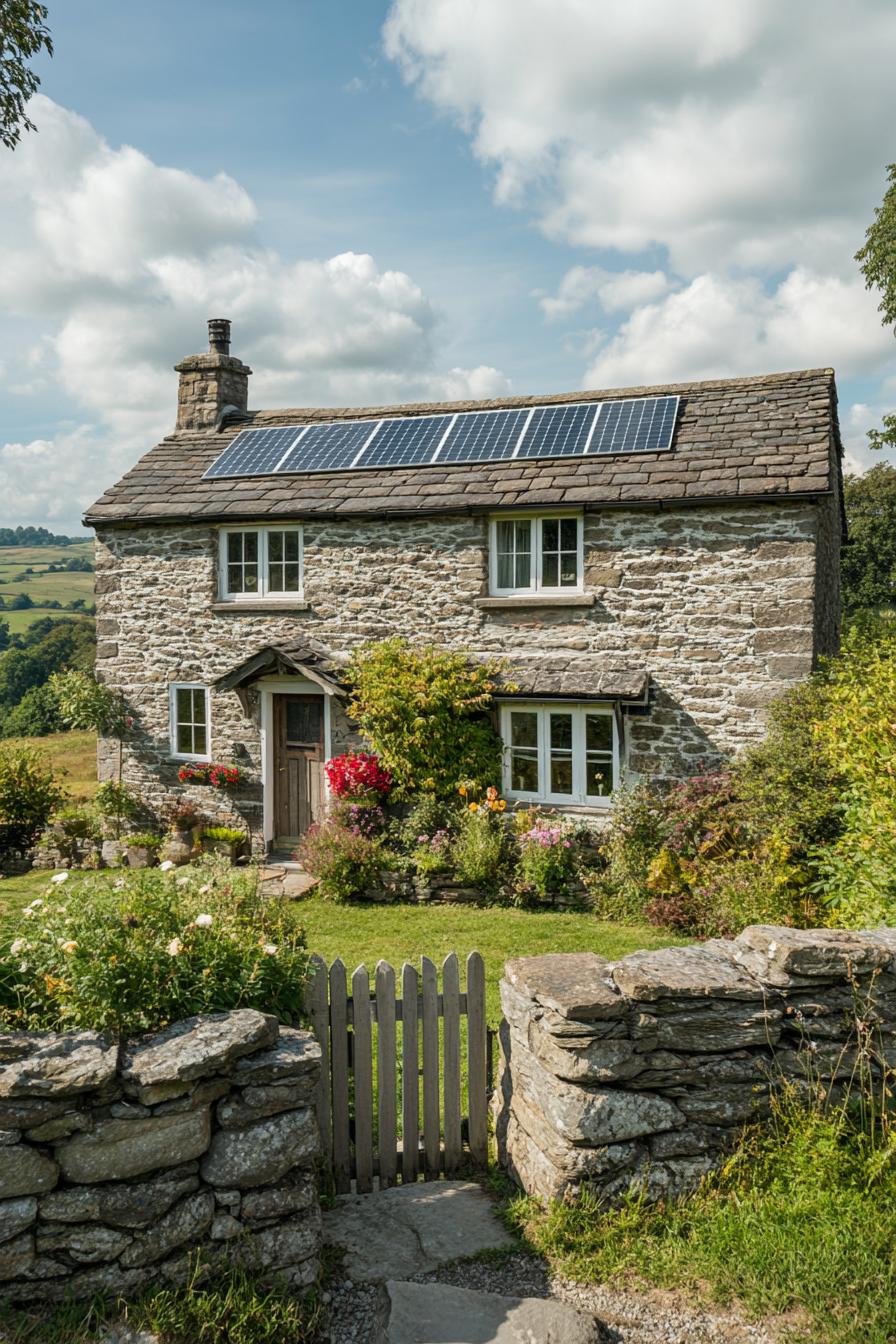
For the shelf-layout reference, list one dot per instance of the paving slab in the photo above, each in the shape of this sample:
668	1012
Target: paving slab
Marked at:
412	1229
433	1313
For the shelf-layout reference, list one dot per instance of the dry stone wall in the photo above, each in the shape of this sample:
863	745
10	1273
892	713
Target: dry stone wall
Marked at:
116	1164
720	604
641	1073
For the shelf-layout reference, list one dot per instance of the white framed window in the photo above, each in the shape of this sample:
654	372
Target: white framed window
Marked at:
190	728
542	554
560	753
260	562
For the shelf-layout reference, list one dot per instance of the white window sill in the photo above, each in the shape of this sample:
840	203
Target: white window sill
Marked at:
510	601
264	604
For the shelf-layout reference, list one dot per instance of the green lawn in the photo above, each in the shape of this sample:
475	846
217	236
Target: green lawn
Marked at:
74	753
40	586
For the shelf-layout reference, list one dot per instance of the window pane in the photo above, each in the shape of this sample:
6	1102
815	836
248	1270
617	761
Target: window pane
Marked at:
598	777
598	732
291	579
251	545
184	739
291	545
561	731
523	569
303	721
182	706
200	745
250	580
569	571
549	570
561	774
234	578
549	534
198	706
569	534
524	771
275	546
506	573
234	546
524	729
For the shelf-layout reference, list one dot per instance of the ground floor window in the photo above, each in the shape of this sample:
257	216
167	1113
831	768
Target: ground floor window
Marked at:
560	753
189	721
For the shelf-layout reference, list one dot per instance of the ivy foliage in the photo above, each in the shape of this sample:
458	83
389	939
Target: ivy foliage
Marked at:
425	712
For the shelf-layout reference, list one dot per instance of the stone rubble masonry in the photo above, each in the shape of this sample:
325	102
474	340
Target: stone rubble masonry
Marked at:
117	1162
721	604
640	1073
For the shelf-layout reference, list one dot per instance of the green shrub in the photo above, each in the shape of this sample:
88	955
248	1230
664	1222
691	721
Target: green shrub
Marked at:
116	803
227	835
36	714
143	840
424	712
30	789
347	862
150	949
858	871
547	855
480	850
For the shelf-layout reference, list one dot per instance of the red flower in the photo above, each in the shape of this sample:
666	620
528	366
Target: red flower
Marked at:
357	774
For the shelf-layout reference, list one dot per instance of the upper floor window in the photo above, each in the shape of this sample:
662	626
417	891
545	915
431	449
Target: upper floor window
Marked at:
558	753
189	715
536	555
260	562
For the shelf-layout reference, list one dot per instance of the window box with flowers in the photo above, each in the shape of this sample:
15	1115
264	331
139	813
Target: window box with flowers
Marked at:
216	775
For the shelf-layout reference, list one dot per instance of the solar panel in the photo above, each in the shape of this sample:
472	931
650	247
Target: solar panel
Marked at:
641	425
575	429
329	447
407	442
558	431
255	452
483	436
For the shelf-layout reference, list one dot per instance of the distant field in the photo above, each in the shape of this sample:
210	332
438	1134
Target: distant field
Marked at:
75	753
41	586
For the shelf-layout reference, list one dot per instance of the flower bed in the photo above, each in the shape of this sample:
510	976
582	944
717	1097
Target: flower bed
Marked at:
214	774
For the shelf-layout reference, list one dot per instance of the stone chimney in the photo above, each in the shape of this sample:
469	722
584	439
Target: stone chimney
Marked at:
211	383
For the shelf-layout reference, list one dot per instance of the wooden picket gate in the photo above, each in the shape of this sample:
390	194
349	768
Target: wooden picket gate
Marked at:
351	1099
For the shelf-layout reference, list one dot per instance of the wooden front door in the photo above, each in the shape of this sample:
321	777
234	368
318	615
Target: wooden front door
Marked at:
298	765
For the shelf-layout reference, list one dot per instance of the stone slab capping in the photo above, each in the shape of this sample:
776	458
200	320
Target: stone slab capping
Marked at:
641	1073
117	1163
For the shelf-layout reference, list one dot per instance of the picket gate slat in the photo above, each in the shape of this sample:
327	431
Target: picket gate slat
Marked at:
352	1093
451	1066
410	1077
432	1146
342	1159
387	1137
363	1072
477	1076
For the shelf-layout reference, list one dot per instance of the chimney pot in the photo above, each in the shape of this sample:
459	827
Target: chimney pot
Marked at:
219	335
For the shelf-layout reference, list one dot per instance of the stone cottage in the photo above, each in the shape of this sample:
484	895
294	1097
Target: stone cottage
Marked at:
650	591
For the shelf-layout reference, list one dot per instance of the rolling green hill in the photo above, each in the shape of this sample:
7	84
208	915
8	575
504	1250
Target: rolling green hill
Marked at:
41	585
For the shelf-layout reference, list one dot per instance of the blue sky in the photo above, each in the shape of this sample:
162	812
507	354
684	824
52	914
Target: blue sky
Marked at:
436	198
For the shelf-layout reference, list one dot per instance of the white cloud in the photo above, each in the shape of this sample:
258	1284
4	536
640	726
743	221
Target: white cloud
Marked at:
123	260
717	327
750	133
614	291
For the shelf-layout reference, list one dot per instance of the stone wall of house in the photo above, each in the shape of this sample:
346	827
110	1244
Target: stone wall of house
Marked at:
116	1164
719	603
641	1073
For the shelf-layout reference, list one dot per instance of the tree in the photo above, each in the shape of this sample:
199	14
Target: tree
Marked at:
877	258
868	562
23	35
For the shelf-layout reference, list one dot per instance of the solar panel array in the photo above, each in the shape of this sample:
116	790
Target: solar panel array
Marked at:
580	429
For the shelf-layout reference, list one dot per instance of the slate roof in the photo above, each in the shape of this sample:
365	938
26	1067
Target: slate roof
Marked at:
743	438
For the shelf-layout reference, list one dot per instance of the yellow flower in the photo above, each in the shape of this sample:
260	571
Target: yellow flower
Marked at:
70	946
55	985
462	790
474	807
502	803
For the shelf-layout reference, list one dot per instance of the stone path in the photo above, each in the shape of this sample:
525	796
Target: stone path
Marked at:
405	1280
285	880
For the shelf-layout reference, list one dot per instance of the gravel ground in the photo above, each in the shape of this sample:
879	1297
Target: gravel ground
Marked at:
627	1318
